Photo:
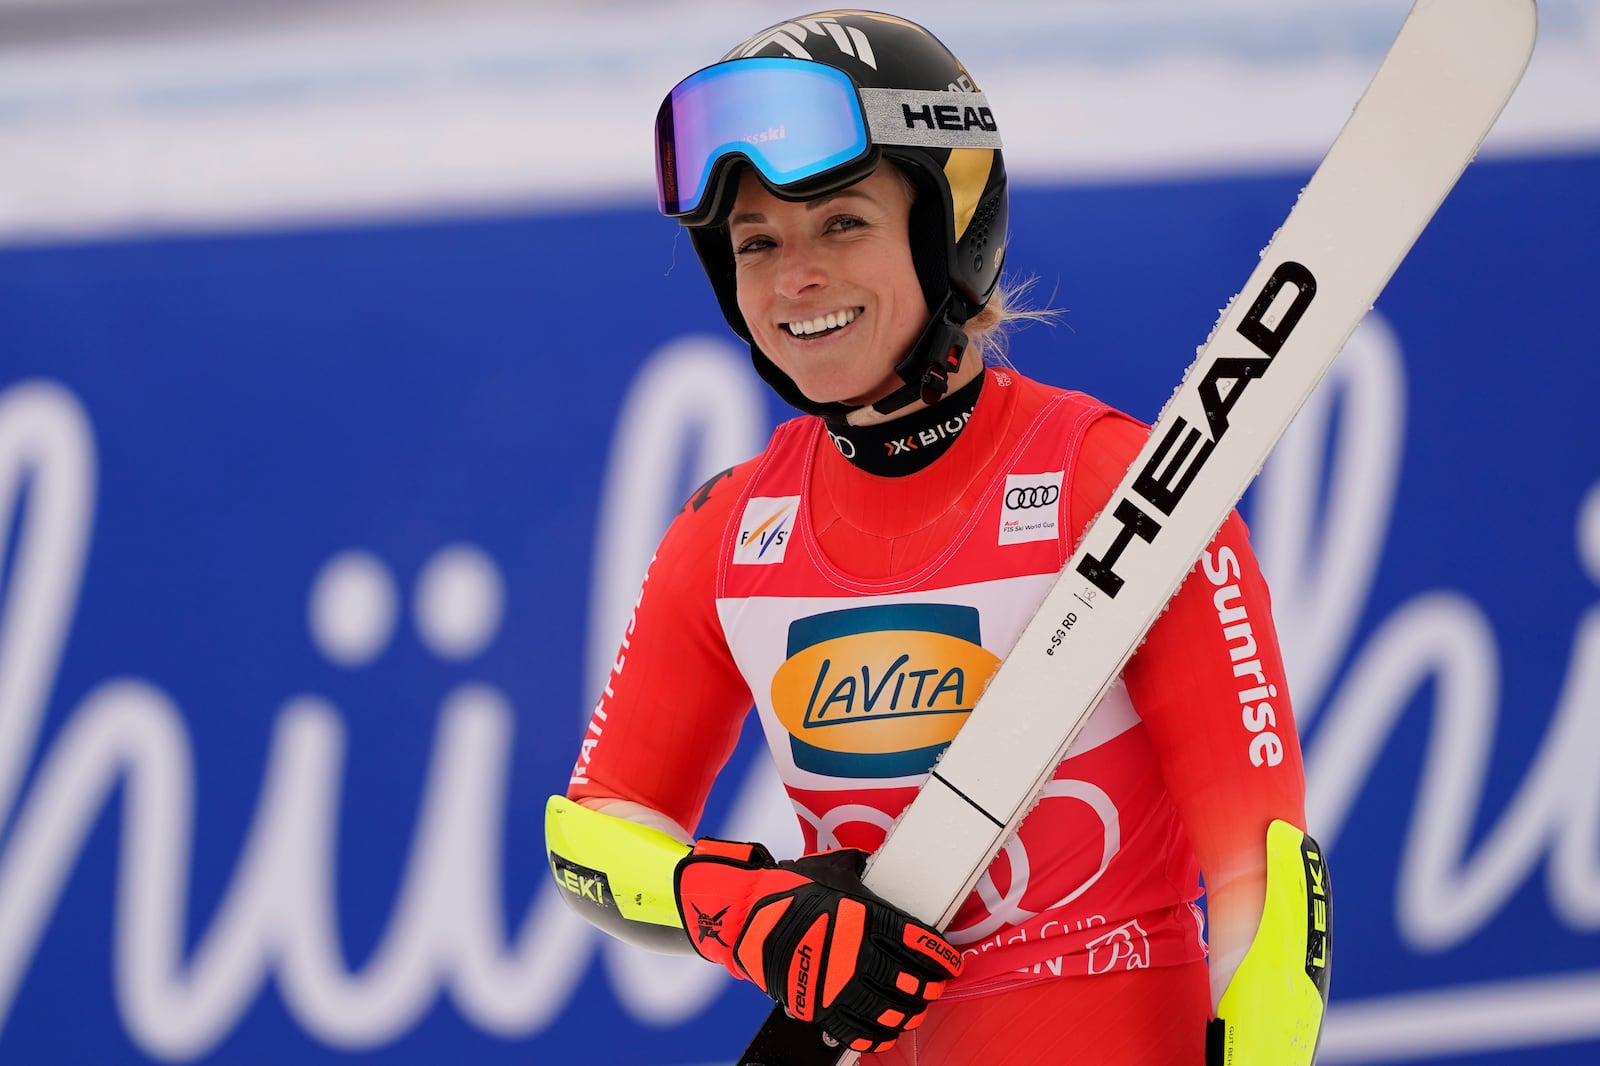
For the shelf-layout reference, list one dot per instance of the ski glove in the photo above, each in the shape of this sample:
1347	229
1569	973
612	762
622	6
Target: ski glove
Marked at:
814	938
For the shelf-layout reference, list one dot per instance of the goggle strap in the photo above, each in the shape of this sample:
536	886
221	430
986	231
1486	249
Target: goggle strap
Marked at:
929	119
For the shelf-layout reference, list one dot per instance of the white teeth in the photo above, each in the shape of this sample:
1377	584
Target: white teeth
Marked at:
831	320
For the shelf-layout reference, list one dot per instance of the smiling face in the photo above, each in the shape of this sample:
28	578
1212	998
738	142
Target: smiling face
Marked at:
827	287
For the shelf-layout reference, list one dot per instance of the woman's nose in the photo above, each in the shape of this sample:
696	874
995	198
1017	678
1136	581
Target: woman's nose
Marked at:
800	269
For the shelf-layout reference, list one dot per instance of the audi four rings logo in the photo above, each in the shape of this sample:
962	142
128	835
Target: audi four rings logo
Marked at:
1026	496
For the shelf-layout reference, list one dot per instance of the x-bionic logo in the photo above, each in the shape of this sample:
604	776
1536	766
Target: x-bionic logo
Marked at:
1026	496
848	39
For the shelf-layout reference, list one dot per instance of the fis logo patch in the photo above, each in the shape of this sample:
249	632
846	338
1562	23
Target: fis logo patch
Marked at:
1031	507
765	529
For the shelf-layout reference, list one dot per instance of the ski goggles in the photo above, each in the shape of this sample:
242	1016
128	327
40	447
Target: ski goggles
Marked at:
806	127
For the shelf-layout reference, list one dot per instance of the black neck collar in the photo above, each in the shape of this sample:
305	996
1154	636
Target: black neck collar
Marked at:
907	444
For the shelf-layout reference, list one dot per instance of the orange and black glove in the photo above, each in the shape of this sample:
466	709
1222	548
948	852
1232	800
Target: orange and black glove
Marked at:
814	938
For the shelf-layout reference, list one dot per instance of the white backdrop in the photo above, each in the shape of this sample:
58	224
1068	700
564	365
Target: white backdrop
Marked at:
122	116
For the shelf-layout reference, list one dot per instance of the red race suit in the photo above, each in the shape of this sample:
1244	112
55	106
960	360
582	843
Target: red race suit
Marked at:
861	616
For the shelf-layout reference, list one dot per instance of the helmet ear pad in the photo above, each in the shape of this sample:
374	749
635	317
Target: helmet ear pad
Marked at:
964	264
928	226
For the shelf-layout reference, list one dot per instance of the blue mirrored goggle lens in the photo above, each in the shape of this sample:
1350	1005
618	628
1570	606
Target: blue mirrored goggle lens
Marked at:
791	119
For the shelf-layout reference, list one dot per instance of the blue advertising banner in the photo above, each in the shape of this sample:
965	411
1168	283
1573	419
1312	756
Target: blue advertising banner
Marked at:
315	547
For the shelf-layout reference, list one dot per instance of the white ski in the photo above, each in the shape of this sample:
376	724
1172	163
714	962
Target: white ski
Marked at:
1435	97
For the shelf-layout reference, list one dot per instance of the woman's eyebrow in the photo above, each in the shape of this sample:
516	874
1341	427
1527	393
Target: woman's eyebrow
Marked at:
756	218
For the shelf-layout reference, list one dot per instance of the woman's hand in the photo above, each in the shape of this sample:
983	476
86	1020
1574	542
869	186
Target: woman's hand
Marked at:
814	938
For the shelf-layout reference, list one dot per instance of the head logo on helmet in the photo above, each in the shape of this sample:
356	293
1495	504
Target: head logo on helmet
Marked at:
892	94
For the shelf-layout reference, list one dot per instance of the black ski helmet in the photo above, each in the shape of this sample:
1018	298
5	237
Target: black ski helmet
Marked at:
948	146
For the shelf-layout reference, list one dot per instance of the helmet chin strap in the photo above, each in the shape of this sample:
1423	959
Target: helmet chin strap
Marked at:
927	367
